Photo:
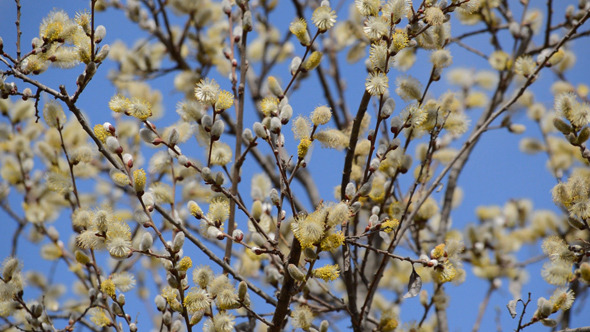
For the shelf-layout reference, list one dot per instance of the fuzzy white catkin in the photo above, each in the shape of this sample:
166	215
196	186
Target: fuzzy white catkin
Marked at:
113	145
146	241
259	130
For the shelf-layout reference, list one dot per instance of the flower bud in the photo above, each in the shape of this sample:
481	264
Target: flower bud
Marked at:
310	254
113	145
295	272
286	113
217	129
139	180
184	161
256	209
178	242
207	175
274	86
173	136
258	239
247	135
295	64
238	235
259	130
275	125
247	21
214	232
388	108
350	190
365	189
321	115
242	290
207	122
219	179
313	61
147	135
274	196
10	267
99	33
396	125
102	54
140	216
172	281
195	209
146	242
516	128
128	160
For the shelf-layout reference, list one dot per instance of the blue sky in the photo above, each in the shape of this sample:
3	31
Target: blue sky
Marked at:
497	170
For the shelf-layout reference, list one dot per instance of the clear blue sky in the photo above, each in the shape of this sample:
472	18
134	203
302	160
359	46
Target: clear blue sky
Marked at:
497	170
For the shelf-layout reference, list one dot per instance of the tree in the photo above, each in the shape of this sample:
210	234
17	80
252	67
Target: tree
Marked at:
215	216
